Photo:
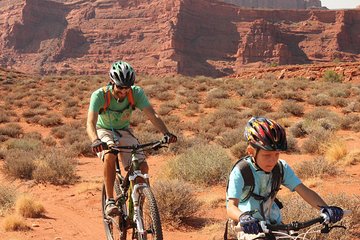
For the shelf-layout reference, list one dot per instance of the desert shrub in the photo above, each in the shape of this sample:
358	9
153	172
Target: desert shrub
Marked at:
7	198
137	117
4	118
201	164
298	129
211	103
239	149
176	201
332	76
42	165
164	109
255	93
315	140
335	151
317	167
49	141
33	136
192	109
11	129
69	103
28	207
288	95
164	96
292	107
292	144
320	99
54	167
295	209
340	102
323	117
352	107
231	103
20	163
217	93
15	223
339	91
50	120
34	112
264	106
71	112
23	144
229	138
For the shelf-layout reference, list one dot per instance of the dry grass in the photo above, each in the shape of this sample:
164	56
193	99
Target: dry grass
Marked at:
7	198
28	207
317	167
15	223
296	209
335	151
176	201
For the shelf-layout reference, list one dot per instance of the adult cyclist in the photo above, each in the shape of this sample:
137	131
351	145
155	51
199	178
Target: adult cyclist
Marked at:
108	123
266	140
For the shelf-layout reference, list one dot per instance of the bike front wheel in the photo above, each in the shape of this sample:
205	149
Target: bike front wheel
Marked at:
150	217
115	226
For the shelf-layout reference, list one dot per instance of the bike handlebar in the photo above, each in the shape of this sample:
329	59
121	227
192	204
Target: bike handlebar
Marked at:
295	226
146	146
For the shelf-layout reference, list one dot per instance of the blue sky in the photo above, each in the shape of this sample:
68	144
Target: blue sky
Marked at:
335	4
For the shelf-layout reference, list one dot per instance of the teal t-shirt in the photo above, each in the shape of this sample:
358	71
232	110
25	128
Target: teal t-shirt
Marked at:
118	114
262	188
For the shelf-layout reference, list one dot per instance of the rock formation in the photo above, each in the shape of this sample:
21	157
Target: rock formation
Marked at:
276	4
202	37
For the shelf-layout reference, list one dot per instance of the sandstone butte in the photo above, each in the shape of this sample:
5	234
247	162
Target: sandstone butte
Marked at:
190	37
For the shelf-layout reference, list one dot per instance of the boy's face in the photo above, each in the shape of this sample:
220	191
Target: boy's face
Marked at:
267	160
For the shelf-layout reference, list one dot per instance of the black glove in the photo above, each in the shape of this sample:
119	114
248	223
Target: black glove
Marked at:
249	224
98	146
334	213
170	138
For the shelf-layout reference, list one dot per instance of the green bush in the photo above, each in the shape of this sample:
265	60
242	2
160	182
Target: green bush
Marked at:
200	164
332	76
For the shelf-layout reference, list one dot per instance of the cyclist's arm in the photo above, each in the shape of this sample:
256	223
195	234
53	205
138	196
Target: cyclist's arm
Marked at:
155	119
91	125
232	209
310	196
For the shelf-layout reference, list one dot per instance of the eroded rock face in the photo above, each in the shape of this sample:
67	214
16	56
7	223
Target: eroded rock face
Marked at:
276	4
202	37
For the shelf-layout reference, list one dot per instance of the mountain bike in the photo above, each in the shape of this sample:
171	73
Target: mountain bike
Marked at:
134	199
291	231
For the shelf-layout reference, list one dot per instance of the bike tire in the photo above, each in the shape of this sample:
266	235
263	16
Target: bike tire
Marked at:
112	231
150	216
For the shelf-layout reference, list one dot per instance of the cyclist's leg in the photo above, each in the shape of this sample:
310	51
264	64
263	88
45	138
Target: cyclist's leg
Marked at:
128	139
109	172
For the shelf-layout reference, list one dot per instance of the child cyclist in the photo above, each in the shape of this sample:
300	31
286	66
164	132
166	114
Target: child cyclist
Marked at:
266	140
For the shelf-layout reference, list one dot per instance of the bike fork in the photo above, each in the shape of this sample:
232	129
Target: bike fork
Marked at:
135	195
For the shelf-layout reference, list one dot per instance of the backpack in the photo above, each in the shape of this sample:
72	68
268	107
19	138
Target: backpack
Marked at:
107	95
249	184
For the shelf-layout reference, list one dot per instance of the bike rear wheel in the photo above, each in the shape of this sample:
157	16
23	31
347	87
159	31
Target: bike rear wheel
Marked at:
150	217
115	226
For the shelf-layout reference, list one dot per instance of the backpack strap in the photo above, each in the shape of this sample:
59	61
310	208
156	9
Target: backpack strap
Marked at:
130	97
107	96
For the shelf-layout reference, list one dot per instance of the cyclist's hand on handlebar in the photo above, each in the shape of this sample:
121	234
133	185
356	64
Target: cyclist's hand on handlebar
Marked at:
170	138
98	146
249	224
333	213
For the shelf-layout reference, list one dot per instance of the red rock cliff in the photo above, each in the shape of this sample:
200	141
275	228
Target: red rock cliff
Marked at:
180	36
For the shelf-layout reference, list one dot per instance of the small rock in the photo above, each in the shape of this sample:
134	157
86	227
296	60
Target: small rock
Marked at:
35	225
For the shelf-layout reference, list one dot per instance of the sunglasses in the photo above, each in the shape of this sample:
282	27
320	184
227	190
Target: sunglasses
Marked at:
122	88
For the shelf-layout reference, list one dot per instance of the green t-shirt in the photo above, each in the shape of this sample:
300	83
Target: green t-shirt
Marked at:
118	114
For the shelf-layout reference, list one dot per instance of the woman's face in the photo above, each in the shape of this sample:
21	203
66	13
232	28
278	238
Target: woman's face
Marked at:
267	160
